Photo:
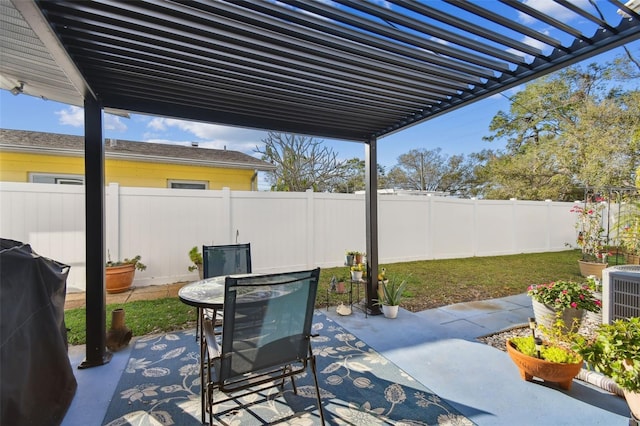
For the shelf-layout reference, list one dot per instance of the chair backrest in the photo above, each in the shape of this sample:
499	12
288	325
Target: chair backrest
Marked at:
226	260
267	321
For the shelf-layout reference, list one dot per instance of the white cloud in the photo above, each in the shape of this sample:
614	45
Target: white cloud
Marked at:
71	116
553	9
113	122
74	116
207	135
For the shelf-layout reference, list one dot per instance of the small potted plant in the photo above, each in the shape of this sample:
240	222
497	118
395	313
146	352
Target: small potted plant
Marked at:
350	257
119	274
567	298
547	360
196	258
590	239
356	271
389	295
614	352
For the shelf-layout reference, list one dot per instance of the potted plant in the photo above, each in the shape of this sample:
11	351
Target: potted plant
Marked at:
350	257
196	258
119	274
337	284
590	239
614	352
356	272
389	295
567	298
547	360
630	234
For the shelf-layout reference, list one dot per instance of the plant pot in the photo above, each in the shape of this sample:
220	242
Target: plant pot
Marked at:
119	335
356	275
118	279
358	259
348	260
554	372
390	311
591	268
633	400
546	315
340	288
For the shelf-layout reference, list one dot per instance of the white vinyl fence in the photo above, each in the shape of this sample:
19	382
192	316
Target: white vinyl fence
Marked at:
287	231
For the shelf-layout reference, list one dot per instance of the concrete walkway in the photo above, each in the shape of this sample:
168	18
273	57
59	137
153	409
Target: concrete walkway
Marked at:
438	347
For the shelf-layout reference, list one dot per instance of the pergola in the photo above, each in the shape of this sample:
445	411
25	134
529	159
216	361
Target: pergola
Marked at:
353	70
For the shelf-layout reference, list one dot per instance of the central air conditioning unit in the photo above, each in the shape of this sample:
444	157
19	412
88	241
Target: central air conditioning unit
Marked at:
620	292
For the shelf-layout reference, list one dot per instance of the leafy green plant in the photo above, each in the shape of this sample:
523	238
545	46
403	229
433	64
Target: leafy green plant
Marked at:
614	352
390	291
135	261
196	257
548	352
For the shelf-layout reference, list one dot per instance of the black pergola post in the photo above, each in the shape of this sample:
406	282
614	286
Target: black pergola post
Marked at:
371	201
96	353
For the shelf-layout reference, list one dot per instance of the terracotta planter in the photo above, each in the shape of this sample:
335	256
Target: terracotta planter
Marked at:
119	278
633	400
546	316
554	372
390	311
341	288
591	268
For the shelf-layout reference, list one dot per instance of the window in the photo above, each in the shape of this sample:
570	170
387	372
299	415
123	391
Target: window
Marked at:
60	179
188	184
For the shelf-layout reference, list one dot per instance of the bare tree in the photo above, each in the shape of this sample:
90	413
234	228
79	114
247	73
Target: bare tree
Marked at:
302	163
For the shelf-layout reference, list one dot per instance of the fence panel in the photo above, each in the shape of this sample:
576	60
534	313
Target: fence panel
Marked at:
286	230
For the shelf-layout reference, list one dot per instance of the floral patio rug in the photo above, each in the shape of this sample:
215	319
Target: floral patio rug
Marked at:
161	386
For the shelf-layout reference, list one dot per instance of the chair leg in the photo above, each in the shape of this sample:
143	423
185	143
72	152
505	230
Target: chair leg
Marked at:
315	380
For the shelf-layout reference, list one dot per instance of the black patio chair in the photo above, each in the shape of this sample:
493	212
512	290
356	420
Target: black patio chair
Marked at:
224	260
266	336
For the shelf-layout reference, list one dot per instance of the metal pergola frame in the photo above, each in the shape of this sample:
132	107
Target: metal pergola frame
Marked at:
352	70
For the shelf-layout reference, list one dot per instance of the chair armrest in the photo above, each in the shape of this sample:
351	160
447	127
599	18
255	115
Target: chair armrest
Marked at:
213	348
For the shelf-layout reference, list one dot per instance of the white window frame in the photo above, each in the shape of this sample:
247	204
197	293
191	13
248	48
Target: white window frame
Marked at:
57	178
203	183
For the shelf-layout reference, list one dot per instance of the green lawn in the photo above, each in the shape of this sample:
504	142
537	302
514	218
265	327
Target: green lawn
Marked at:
432	283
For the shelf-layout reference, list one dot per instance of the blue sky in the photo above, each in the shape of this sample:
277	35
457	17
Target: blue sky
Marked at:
458	132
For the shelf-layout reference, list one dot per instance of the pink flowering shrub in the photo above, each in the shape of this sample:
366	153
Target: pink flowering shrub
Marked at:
561	295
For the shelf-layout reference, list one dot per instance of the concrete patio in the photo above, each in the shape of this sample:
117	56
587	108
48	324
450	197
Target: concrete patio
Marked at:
438	347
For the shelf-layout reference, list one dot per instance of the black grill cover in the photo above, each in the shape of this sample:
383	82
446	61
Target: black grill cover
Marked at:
37	383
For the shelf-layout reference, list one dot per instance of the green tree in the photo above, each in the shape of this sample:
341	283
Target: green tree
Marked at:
575	128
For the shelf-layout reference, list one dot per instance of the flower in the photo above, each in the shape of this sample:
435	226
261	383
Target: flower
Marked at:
590	230
561	295
358	267
630	237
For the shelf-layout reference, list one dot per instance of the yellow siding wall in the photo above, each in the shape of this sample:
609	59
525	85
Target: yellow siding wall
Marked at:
15	167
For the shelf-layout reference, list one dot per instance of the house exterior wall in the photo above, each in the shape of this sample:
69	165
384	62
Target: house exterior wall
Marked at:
15	167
